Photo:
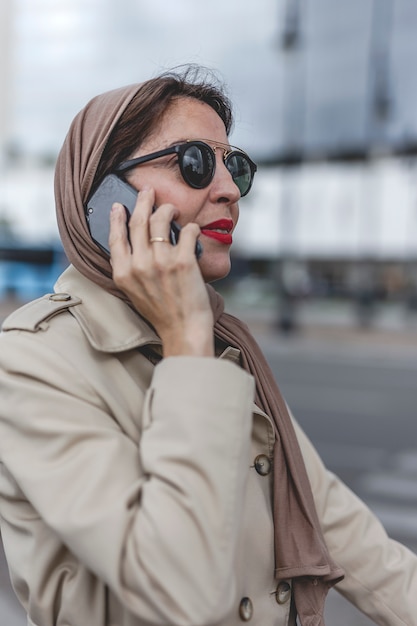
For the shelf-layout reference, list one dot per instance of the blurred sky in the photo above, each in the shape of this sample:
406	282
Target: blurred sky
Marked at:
65	52
318	94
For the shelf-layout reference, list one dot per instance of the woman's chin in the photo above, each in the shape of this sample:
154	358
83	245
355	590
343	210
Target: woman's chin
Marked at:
215	268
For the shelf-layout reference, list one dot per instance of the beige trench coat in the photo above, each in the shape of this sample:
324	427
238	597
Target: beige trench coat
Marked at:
134	494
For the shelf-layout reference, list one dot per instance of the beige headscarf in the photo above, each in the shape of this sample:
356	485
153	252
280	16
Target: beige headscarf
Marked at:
300	550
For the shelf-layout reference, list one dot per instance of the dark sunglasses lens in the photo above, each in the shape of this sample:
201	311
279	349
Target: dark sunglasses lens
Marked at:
241	171
197	165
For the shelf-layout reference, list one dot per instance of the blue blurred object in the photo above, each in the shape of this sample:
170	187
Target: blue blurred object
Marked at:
27	271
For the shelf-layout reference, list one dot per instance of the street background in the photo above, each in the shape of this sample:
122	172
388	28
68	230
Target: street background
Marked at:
325	254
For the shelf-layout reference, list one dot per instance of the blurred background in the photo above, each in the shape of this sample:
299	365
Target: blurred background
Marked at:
325	256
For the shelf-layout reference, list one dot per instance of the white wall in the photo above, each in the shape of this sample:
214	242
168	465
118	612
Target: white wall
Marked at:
332	210
314	211
27	202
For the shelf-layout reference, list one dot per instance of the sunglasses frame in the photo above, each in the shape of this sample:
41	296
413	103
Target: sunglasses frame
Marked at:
181	148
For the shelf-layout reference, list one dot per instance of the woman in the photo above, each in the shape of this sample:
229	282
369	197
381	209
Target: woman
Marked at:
140	483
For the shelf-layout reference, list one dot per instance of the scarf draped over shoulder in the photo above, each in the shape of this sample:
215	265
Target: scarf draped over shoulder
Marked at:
300	550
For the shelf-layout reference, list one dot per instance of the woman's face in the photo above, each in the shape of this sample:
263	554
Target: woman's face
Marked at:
214	208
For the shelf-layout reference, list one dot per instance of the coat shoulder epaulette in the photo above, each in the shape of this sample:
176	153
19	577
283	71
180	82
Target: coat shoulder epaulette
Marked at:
35	315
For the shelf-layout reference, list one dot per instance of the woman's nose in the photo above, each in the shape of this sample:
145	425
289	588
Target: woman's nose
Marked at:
223	185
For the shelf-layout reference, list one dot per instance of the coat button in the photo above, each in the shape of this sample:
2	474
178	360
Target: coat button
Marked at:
263	464
60	297
283	593
245	609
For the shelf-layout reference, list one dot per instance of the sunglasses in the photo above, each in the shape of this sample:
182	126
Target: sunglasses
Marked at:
197	162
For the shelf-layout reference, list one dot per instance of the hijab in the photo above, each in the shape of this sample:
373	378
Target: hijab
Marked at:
300	550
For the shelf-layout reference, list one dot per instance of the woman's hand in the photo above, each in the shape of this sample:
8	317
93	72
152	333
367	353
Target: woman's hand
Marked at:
163	282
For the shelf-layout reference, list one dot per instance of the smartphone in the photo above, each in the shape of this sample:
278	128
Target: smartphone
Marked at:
114	189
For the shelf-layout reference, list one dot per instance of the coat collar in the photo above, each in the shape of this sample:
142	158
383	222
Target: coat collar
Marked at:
109	324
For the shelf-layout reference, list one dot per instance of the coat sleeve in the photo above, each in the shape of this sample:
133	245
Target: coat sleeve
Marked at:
380	574
158	522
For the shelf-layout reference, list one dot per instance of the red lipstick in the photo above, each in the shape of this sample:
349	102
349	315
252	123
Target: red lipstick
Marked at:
220	230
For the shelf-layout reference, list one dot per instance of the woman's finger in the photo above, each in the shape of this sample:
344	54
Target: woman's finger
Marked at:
118	236
160	221
139	220
188	237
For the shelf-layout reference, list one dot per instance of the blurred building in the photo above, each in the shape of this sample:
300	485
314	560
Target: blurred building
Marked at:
339	192
324	89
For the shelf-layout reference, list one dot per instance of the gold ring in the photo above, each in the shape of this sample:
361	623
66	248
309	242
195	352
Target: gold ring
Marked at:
159	240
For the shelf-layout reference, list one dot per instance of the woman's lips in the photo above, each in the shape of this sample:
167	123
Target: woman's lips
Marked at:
219	230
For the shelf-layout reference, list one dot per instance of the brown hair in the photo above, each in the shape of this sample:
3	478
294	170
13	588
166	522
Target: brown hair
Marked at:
150	103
